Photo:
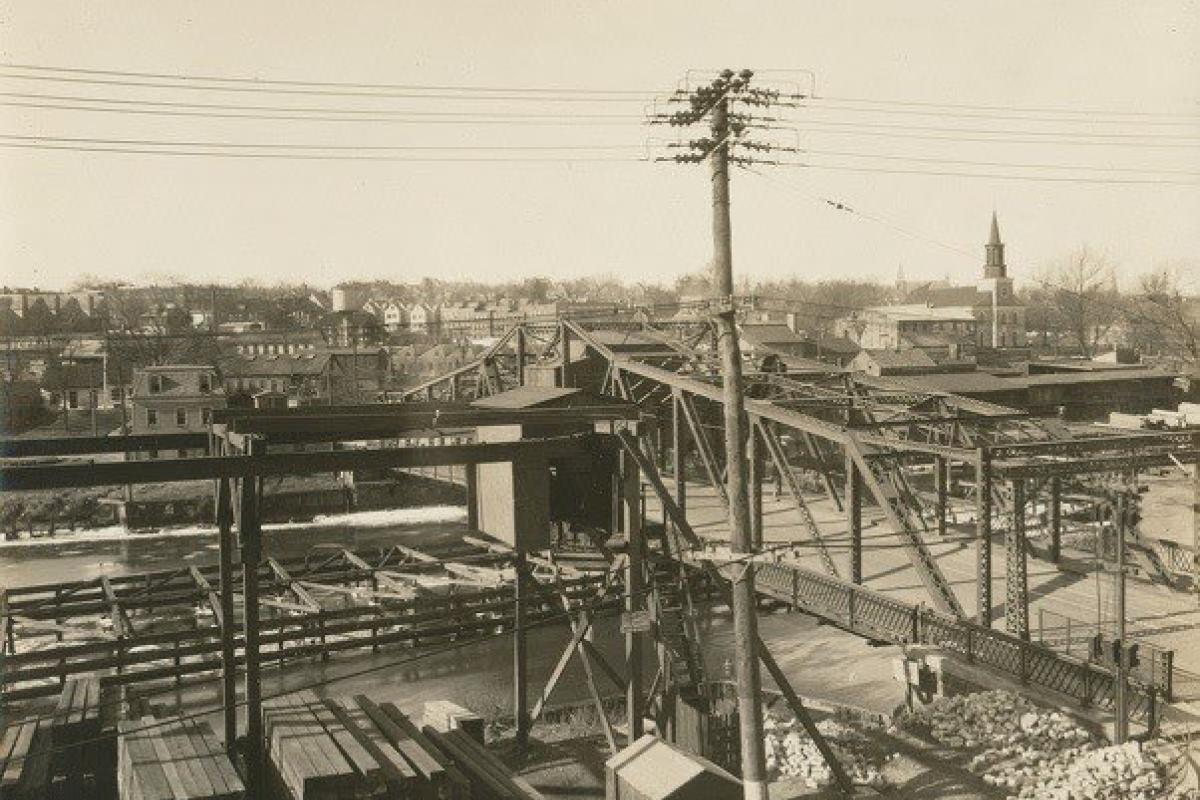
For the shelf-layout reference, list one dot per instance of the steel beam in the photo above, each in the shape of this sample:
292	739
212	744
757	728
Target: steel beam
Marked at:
1016	600
983	537
854	518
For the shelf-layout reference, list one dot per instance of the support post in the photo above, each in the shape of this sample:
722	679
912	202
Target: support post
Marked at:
251	543
1055	519
983	537
941	476
564	339
1121	690
854	513
634	594
472	472
755	463
520	356
224	514
679	451
520	657
1016	601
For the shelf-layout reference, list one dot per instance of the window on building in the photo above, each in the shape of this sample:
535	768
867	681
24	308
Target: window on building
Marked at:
205	383
156	384
181	417
206	416
114	394
151	418
181	453
153	454
73	398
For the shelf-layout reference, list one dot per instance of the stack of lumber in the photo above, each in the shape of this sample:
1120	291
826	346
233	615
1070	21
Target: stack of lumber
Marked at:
490	779
353	747
24	761
173	759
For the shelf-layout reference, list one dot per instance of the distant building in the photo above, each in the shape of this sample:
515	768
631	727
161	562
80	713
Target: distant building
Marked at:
174	399
759	340
301	377
1001	318
395	316
881	363
911	326
423	318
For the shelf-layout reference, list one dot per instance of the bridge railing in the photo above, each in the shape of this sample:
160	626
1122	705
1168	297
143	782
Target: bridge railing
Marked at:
1075	637
870	613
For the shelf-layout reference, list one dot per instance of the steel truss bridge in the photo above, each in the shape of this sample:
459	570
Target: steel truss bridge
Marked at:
883	442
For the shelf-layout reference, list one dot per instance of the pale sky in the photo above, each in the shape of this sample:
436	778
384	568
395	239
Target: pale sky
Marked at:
1134	66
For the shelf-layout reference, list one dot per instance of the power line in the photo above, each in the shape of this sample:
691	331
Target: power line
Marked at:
1007	164
991	175
324	84
838	205
1027	109
293	146
956	114
71	98
411	94
990	134
318	156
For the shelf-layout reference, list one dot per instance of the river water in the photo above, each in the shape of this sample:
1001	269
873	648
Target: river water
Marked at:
822	662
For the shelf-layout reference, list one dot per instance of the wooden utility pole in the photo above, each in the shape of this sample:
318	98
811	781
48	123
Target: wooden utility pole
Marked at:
745	610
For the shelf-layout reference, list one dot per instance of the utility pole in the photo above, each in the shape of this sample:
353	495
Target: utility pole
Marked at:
745	607
712	101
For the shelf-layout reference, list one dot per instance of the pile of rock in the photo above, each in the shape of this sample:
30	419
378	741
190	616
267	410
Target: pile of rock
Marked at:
1035	753
792	753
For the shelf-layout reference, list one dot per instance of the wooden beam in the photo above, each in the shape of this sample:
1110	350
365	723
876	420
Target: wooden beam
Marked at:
293	586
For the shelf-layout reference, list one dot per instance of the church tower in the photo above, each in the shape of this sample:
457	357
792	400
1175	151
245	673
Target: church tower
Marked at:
1002	317
994	265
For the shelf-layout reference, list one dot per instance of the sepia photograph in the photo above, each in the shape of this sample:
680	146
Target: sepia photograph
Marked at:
581	400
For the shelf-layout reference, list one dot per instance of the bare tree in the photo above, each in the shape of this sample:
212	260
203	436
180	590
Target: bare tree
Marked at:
1162	319
1083	299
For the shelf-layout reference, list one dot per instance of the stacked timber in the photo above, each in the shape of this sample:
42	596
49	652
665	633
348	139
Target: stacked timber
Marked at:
174	759
25	761
354	747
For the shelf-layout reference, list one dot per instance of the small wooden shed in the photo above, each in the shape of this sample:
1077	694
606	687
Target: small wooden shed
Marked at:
651	769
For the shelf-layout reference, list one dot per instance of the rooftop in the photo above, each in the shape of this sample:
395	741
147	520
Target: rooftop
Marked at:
924	312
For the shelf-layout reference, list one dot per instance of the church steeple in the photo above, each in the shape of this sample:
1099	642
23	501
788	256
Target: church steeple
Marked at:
994	266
